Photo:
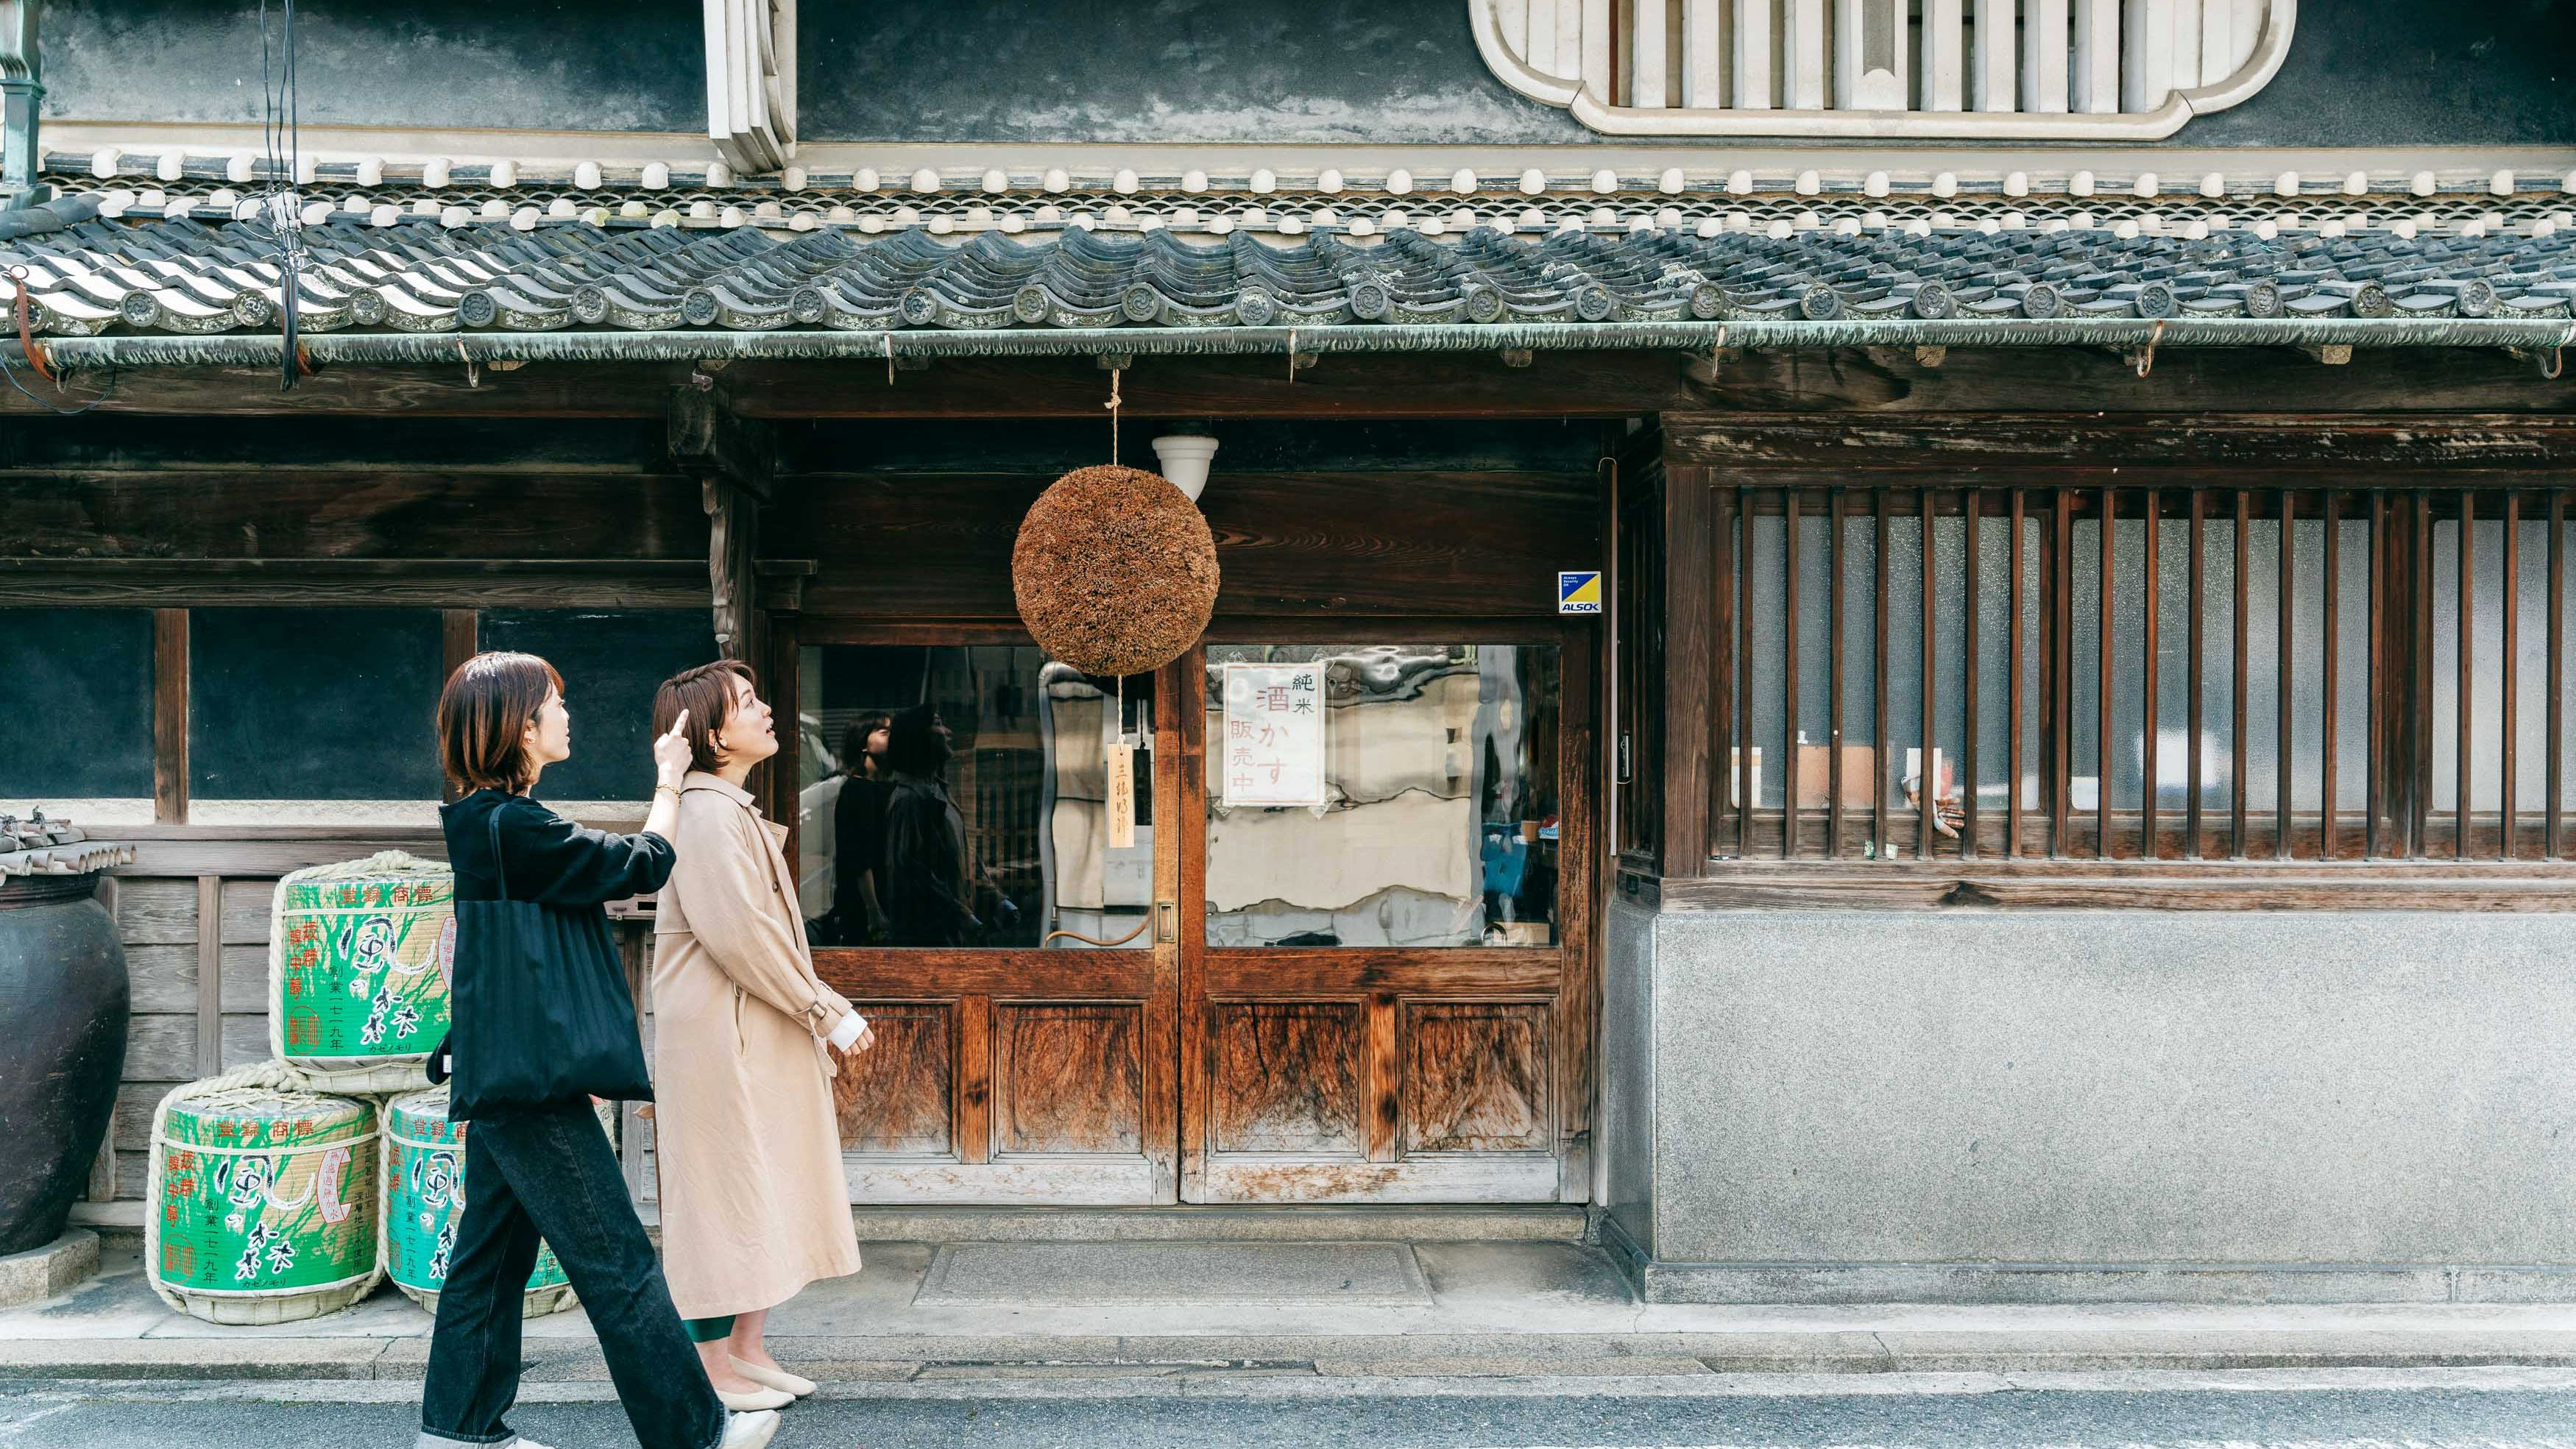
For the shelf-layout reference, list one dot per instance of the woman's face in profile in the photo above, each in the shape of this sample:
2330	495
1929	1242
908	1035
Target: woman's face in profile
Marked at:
877	742
749	734
549	736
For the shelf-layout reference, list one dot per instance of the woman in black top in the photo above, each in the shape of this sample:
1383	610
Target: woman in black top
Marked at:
546	1172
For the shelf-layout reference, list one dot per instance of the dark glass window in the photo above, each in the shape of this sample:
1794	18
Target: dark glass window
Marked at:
313	704
611	664
81	727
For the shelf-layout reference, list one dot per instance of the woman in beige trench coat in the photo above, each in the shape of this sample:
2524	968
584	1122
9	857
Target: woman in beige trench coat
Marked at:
754	1203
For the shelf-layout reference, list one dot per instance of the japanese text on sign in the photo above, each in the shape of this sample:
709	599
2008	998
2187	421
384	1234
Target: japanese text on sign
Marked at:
1274	734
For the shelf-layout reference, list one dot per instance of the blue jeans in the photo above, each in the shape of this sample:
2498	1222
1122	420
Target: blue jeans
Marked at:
547	1172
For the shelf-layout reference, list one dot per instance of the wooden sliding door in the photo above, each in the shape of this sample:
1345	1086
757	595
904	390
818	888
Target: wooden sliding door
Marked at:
1333	944
1386	899
1025	1041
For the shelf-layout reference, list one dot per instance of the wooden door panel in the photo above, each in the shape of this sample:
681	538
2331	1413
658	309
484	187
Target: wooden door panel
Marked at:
895	1097
1476	1077
1288	1076
1380	1073
1279	1178
1035	1072
1069	1078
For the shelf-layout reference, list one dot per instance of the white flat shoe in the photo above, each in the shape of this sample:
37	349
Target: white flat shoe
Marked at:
750	1431
756	1401
774	1378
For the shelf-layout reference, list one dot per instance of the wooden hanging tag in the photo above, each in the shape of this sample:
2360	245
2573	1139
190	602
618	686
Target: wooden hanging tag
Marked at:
1122	794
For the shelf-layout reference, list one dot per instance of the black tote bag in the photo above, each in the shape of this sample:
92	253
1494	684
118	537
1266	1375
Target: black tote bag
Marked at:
540	1006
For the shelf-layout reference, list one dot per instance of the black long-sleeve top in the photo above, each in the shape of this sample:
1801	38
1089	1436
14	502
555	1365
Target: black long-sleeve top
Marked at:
551	860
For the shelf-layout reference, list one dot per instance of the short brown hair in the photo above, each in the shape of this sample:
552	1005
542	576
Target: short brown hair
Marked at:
483	718
706	692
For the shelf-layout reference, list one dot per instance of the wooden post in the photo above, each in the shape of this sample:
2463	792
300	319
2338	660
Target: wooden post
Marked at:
632	934
169	716
735	462
1696	579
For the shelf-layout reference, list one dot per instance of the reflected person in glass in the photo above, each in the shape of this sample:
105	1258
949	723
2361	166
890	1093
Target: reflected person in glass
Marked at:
928	899
859	832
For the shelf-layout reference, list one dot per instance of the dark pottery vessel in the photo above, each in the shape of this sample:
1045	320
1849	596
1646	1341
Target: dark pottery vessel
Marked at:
63	1007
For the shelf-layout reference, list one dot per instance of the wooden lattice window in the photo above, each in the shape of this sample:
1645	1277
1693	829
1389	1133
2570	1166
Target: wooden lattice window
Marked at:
2223	673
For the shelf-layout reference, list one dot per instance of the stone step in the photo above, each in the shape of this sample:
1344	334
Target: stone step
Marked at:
1503	1223
1543	1223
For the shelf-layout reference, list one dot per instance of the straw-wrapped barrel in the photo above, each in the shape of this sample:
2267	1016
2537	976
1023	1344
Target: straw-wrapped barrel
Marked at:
358	963
424	1177
262	1202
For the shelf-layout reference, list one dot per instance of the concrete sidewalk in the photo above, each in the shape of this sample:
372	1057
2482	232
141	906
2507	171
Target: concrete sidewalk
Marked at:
927	1312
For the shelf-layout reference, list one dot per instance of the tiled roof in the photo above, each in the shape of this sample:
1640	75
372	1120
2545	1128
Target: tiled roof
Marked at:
89	275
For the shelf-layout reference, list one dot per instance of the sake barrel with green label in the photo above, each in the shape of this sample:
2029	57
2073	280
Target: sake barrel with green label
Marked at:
263	1204
424	1177
359	959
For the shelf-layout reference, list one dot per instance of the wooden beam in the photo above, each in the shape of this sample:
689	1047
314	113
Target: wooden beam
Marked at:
169	713
2147	885
706	438
175	584
2086	379
2338	443
1478	384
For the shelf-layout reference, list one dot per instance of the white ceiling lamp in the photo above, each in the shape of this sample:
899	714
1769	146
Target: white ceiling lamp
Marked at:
1185	458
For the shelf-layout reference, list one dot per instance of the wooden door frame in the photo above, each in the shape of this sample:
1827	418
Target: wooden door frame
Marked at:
977	979
1569	982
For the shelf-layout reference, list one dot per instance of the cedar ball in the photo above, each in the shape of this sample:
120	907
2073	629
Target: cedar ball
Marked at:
1114	571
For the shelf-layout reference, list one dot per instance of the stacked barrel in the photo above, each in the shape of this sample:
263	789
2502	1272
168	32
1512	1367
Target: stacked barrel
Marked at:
293	1187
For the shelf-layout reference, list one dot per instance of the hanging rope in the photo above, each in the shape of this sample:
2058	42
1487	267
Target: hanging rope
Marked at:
1112	405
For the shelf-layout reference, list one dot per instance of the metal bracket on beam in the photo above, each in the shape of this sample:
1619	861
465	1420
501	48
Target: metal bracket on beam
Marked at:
1114	361
2332	354
1518	357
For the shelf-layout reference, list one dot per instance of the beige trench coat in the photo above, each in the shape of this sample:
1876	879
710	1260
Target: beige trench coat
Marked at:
754	1201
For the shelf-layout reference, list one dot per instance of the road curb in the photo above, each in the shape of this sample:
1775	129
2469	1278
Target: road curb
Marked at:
1069	1359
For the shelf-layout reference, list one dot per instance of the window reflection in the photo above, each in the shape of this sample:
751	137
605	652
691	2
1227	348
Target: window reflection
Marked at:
1435	823
960	796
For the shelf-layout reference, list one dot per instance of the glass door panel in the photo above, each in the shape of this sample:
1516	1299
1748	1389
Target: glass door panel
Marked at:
979	873
1422	802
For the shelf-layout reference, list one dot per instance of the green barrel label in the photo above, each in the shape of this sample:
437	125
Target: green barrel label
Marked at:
365	965
425	1196
256	1204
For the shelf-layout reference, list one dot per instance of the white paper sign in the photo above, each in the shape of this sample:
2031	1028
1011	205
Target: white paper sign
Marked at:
1274	734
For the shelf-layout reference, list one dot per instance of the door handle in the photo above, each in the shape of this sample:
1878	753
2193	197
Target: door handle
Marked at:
1167	922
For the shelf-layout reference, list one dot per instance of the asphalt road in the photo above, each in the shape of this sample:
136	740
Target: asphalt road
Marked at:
2487	1409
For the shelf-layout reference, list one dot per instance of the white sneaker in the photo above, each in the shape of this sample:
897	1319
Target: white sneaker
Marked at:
750	1431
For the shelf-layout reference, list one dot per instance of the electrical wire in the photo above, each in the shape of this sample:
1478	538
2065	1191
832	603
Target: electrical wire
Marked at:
281	129
10	370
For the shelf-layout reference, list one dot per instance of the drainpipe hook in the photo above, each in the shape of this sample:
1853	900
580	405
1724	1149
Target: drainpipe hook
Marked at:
2147	359
473	374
